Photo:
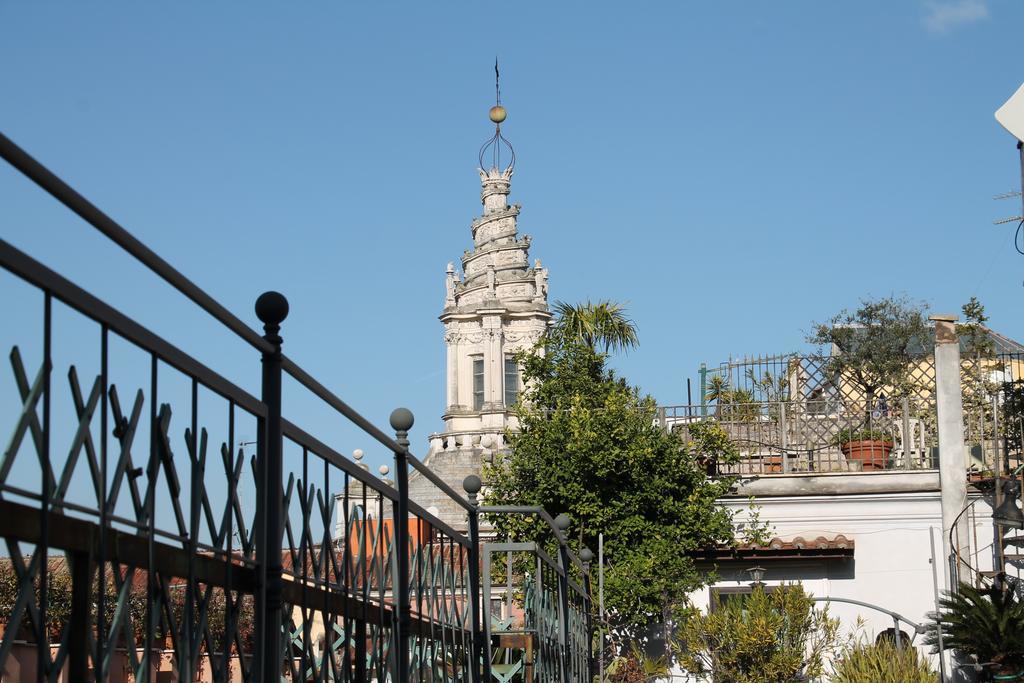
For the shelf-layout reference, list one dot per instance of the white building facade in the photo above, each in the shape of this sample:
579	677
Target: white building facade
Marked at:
887	521
872	538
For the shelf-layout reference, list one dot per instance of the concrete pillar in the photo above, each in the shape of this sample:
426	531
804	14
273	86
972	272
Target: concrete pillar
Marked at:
952	450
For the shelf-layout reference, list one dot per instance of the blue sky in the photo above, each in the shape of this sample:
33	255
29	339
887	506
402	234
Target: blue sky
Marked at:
732	171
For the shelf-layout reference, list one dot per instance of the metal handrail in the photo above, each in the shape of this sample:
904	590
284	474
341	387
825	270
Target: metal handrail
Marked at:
537	510
436	522
48	181
437	481
333	400
527	510
325	452
320	391
35	273
91	214
918	628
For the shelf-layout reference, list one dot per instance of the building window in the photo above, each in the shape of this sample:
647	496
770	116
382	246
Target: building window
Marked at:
497	607
720	596
511	382
478	383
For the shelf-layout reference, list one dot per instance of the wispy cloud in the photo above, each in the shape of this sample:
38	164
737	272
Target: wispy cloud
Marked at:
943	16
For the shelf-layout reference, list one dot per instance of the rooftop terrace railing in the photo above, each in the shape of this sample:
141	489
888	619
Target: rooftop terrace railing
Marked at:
171	538
816	436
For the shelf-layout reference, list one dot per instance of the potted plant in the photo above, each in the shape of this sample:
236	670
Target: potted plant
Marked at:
870	447
985	625
771	463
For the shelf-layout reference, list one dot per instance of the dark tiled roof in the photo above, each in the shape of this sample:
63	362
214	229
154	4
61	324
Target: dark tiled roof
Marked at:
1002	343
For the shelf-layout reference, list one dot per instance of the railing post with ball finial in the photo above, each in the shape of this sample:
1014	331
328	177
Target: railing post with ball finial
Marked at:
271	309
402	421
472	486
562	523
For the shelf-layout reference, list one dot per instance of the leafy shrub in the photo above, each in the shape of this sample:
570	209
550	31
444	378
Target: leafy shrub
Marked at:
861	434
765	637
129	624
881	662
637	667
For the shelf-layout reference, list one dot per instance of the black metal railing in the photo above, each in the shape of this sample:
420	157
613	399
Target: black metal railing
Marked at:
543	628
129	550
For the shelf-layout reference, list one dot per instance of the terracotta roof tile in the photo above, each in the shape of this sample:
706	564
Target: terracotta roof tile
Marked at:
839	541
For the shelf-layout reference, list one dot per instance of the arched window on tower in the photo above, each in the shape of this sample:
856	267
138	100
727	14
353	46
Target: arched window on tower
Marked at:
511	381
478	382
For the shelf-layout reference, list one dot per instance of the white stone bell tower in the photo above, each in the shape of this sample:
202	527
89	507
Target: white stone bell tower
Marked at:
495	305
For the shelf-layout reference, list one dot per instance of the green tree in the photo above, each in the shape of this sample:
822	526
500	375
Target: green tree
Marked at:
765	637
973	331
876	345
130	627
58	598
1013	416
978	361
732	405
601	326
589	446
986	624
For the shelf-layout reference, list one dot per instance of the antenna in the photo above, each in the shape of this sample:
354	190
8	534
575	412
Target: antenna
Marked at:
1019	220
1011	117
1008	219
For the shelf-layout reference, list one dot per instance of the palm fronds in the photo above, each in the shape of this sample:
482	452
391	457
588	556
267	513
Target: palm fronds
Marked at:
603	324
987	623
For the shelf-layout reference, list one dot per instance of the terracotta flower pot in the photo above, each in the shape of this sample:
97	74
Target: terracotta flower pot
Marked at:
871	453
771	464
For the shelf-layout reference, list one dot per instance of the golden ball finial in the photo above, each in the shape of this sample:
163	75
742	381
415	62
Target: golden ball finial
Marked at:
498	113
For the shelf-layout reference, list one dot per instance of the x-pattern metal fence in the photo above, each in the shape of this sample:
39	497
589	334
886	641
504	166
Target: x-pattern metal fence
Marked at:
154	543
